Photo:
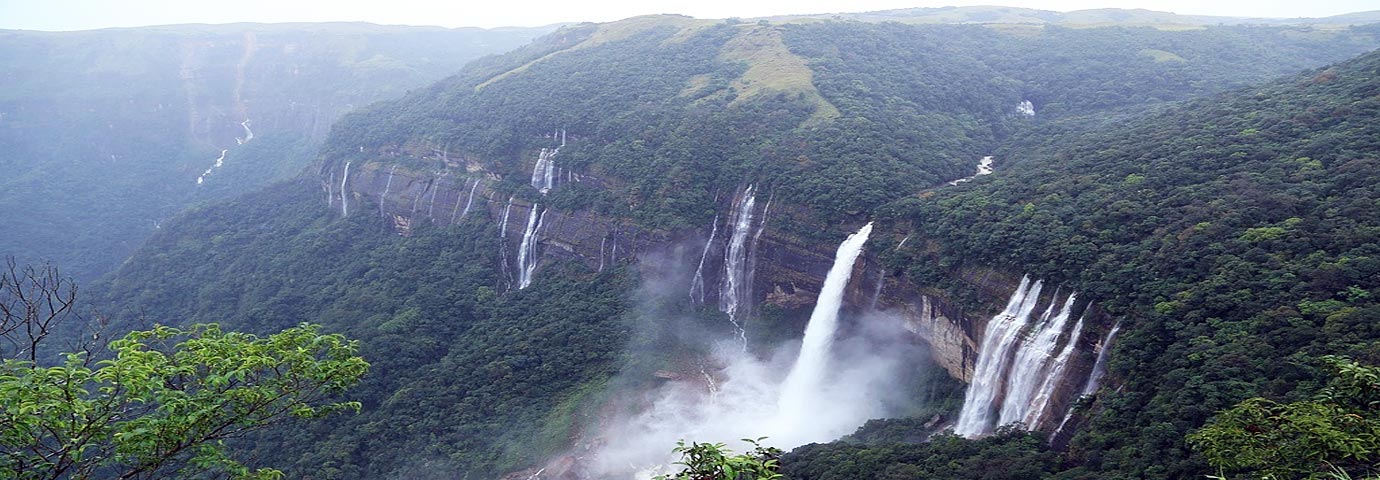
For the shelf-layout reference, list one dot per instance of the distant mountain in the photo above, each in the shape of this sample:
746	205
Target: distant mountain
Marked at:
107	133
1099	17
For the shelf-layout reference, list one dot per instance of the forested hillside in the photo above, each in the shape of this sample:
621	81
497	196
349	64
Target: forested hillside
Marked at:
1235	235
1229	234
108	133
672	111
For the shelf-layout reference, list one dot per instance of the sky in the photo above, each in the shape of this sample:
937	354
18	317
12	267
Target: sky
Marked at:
61	15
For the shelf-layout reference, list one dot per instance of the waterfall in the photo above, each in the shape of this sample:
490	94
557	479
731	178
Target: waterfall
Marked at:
998	340
1026	108
503	252
219	161
248	134
600	251
503	224
1030	366
344	202
386	186
806	379
984	167
431	204
736	286
544	172
1020	365
697	283
470	201
1100	366
1053	377
527	250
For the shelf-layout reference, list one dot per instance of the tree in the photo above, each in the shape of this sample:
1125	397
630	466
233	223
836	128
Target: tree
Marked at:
1339	430
164	401
714	461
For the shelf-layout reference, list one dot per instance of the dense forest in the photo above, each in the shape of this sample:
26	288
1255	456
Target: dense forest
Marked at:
1225	217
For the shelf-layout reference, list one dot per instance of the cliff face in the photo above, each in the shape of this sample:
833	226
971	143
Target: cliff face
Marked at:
785	271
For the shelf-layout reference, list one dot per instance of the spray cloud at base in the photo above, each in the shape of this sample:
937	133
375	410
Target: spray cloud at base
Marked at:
792	394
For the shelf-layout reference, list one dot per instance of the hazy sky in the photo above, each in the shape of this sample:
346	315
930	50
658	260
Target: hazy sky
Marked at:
89	14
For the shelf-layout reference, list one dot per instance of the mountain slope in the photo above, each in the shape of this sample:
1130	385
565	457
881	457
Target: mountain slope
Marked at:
107	133
1235	236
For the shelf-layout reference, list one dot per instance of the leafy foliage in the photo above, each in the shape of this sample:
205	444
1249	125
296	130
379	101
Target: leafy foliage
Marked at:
1338	429
714	461
167	400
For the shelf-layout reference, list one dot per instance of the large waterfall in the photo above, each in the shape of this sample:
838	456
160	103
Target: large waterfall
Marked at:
977	418
697	283
828	388
736	287
801	388
527	250
1020	364
1029	369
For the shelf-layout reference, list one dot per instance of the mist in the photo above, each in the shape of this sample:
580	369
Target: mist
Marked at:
733	394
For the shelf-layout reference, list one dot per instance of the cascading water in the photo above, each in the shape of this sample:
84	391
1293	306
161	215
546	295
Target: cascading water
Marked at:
1053	377
527	250
1019	371
736	286
984	167
1030	368
697	283
248	134
989	374
219	161
544	172
502	235
1100	366
802	386
431	204
471	200
344	201
386	186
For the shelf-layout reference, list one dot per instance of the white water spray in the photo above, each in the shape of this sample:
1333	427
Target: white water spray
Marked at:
801	389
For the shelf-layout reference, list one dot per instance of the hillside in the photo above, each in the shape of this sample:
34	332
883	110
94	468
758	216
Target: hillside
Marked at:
1234	236
514	245
109	133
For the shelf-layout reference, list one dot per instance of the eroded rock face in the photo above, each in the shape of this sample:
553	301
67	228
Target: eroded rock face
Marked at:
788	272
